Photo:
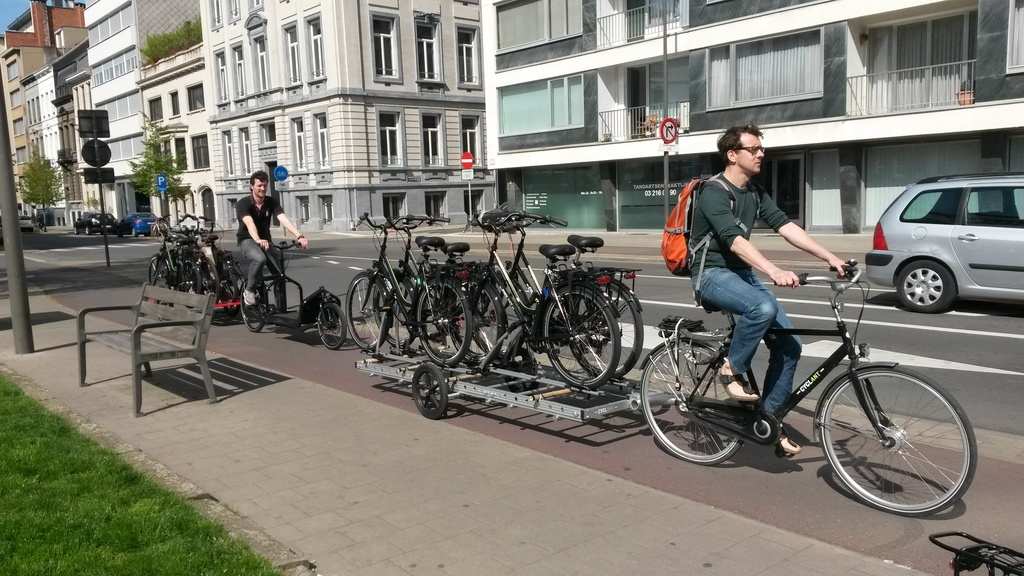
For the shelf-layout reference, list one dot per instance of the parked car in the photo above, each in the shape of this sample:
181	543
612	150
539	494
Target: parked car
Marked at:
137	224
96	223
952	237
27	223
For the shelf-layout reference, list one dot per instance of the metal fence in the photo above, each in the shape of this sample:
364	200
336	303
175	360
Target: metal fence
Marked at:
639	122
640	23
938	86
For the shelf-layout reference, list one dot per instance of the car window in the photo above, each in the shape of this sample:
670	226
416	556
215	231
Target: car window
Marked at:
933	207
997	206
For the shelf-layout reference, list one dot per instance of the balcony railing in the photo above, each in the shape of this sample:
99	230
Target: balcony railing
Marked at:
938	86
63	94
640	23
639	122
160	66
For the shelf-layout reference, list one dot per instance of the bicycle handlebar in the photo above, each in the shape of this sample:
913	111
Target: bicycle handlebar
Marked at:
851	267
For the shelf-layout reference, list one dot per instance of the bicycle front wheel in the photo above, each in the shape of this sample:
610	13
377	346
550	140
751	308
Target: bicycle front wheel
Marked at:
664	388
445	322
927	455
364	307
582	336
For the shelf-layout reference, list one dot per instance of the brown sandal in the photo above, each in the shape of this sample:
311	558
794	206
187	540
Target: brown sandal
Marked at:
786	448
734	388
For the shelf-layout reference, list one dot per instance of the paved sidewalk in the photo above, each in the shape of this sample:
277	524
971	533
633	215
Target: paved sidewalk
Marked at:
363	488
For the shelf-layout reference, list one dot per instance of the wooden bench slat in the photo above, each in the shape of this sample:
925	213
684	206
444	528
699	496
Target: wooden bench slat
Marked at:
155	312
174	297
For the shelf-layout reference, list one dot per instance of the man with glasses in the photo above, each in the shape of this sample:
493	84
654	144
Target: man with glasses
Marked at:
727	207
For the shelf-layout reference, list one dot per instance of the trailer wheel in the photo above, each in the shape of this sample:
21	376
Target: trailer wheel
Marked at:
430	391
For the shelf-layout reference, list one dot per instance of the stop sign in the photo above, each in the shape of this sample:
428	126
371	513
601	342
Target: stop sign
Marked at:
467	160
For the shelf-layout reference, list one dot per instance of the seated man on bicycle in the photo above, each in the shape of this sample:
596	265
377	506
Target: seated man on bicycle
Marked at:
255	213
727	207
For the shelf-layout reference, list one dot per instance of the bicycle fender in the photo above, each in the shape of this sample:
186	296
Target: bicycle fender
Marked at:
834	382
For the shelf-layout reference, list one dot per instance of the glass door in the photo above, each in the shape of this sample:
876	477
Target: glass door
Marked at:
783	178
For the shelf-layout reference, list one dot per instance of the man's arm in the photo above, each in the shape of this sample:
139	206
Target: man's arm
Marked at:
250	225
799	238
287	225
751	255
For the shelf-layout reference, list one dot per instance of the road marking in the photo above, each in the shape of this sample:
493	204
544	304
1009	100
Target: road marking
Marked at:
825	348
334	262
687	279
31	259
347	234
356	268
315	257
871	322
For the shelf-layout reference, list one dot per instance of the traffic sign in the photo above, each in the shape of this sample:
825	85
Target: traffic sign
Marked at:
467	161
161	183
98	175
467	174
280	173
96	153
93	124
668	130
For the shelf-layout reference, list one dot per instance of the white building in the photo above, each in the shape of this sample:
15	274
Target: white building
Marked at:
117	30
42	126
857	99
174	94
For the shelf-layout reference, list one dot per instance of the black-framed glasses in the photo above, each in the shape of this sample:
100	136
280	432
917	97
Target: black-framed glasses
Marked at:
752	149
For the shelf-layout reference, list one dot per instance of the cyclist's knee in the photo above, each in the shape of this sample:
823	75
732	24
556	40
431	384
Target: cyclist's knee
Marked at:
765	310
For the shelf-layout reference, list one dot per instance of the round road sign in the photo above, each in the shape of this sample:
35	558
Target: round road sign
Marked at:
668	130
467	160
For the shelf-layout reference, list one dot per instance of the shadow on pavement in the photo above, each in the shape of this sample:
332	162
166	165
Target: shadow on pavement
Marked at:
230	378
39	318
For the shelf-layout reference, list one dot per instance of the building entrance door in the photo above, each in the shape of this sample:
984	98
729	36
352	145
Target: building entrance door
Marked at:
783	178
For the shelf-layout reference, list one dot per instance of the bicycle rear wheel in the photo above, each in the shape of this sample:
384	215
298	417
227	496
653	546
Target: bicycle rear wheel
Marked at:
631	326
584	343
445	322
330	326
675	428
364	306
927	458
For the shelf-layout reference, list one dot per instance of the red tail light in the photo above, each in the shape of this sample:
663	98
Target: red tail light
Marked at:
462	275
879	243
603	280
629	275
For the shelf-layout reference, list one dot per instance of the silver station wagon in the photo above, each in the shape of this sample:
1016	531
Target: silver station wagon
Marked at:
952	237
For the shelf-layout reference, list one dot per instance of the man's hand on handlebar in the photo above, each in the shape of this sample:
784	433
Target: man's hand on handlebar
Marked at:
265	244
786	278
838	266
302	242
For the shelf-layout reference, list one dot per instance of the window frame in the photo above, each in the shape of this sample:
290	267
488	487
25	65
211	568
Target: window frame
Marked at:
223	89
261	64
227	142
399	117
293	49
326	205
443	208
273	126
317	47
434	51
1011	37
159	101
175	103
238	67
205	156
217	14
733	103
298	141
548	37
323	140
438	133
188	97
396	47
476	137
182	160
565	81
245	145
475	46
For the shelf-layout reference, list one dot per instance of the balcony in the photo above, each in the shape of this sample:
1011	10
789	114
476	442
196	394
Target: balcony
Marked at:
67	157
63	94
639	122
185	57
640	23
921	88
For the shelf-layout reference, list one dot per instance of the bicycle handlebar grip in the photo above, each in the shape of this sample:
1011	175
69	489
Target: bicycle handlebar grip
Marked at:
364	216
557	221
803	278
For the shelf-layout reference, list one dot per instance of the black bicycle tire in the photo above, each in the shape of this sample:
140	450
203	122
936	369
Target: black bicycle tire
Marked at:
336	309
628	361
614	337
371	278
468	323
254	323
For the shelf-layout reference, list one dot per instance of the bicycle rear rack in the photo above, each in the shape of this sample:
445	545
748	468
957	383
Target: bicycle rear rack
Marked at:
999	560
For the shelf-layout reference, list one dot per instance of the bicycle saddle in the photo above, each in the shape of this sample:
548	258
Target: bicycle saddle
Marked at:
428	242
584	243
553	251
456	248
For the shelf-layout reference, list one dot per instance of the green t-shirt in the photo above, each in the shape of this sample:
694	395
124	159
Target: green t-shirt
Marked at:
726	211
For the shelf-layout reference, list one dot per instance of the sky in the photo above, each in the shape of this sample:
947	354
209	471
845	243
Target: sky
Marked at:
11	9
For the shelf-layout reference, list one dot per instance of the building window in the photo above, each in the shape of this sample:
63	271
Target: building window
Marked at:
229	153
218	17
299	143
326	209
394	205
239	58
390	147
179	154
19	126
175	105
294	66
246	143
316	42
765	70
111	25
15	98
268	133
12	70
1016	38
303	209
235	11
384	47
196	98
323	142
545	105
435	204
21	155
114	67
521	23
470	138
426	51
259	46
467	56
156	109
432	147
222	76
231	210
122	107
257	4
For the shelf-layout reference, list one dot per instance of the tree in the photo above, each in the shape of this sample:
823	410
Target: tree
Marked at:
41	183
157	159
163	45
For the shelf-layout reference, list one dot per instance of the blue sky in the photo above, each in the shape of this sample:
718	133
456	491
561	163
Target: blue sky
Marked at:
11	9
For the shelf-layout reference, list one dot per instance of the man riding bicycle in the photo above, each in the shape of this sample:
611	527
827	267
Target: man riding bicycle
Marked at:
255	213
728	205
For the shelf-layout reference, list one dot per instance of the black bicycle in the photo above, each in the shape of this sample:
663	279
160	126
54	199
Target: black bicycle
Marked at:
893	437
971	553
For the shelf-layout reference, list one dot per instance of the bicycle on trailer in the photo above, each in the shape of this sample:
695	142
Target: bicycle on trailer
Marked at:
971	553
321	308
895	439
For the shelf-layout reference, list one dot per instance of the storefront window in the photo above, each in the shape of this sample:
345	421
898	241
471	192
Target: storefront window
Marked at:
570	193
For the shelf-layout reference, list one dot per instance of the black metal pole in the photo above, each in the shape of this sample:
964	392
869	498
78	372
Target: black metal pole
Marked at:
21	315
103	205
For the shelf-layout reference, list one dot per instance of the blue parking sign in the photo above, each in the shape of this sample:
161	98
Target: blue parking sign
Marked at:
161	183
280	173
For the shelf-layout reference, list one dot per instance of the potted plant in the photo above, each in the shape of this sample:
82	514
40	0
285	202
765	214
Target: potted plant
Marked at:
965	96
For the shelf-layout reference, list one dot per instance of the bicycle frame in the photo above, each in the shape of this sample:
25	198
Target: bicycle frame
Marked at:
277	280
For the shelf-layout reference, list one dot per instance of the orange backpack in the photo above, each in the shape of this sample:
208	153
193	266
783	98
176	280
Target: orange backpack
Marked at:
675	238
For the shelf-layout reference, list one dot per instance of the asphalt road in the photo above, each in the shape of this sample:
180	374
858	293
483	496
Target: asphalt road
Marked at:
973	352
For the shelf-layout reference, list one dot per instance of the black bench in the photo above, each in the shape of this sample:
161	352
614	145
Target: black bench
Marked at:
166	325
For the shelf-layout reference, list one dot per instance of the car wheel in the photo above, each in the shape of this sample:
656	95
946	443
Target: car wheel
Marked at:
925	286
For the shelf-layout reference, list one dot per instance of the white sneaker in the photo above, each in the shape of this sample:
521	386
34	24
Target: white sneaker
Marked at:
249	297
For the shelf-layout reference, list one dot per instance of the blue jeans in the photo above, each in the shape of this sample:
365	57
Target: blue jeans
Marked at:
755	310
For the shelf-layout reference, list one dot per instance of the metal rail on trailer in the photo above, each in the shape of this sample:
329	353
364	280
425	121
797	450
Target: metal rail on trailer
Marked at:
501	386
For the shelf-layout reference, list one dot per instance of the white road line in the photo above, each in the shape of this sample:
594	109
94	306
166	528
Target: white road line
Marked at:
347	234
356	268
334	262
871	323
315	257
350	257
825	348
31	259
687	279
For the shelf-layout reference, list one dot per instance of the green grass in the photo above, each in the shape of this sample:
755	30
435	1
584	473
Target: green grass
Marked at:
71	507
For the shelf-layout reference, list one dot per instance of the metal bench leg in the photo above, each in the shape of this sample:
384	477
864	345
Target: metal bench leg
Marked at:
81	356
147	369
207	379
137	388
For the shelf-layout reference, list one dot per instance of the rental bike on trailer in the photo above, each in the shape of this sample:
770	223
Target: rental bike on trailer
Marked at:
895	439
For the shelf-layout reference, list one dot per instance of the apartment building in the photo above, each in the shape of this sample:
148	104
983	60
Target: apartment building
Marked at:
117	31
33	39
72	93
174	94
368	105
857	98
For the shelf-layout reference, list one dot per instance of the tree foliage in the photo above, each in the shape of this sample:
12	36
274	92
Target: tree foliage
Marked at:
41	183
163	45
156	159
